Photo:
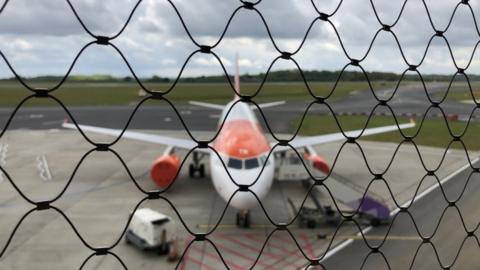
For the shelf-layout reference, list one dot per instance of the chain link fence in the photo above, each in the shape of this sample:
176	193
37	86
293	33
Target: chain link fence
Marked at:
160	94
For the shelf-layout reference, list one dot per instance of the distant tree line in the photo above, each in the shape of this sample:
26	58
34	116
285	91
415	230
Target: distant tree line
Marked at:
273	76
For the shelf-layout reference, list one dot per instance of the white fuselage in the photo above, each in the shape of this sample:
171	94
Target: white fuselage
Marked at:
243	148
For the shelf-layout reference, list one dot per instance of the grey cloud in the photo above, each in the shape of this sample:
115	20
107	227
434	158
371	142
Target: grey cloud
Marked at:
35	17
55	17
286	19
155	41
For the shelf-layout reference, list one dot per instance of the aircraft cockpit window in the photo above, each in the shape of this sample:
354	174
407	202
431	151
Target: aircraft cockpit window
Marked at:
264	160
235	163
251	163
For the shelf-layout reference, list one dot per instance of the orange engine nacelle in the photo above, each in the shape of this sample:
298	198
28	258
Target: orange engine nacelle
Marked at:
164	169
318	163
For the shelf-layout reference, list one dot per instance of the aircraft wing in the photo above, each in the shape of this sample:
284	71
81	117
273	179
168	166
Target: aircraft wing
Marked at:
312	140
221	107
267	105
207	105
139	136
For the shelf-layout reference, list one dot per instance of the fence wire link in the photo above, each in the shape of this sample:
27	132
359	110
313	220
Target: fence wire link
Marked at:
160	94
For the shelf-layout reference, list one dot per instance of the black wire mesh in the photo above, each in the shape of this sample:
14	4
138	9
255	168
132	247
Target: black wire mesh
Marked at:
160	94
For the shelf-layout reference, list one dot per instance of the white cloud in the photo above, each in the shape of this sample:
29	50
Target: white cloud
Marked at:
22	44
168	62
204	61
242	62
41	37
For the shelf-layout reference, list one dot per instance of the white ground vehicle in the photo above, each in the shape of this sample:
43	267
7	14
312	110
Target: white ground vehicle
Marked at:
151	230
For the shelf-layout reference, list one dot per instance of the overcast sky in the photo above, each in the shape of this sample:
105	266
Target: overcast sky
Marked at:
43	37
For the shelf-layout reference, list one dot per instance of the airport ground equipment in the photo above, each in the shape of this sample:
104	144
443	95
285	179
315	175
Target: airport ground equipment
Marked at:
312	217
350	195
371	207
288	167
151	230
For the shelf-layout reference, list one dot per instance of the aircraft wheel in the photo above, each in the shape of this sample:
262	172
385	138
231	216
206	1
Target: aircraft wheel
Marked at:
375	222
201	171
237	219
191	170
247	220
311	224
243	220
163	249
196	171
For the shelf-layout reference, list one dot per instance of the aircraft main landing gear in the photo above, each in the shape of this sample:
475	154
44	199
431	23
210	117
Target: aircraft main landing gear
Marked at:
243	219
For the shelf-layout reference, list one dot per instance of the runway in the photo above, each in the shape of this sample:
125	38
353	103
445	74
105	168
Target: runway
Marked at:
409	100
433	220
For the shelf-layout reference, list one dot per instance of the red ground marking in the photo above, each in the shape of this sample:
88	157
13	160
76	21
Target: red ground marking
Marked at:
295	265
200	264
308	246
241	255
292	253
183	263
216	256
269	242
224	236
286	253
185	257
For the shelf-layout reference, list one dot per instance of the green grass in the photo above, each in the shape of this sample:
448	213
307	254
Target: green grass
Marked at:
460	91
463	95
434	132
104	93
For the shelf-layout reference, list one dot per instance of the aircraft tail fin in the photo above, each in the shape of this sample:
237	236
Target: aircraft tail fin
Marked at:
237	77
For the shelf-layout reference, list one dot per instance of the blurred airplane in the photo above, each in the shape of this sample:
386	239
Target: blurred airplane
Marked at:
243	148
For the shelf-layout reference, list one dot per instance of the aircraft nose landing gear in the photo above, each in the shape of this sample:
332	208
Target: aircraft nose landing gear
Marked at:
243	219
196	169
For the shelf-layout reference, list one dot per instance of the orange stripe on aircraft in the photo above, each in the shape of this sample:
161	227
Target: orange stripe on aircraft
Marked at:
241	139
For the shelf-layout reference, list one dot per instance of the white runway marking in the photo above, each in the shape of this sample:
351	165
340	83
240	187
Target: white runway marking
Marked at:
35	116
347	242
52	123
43	169
435	186
3	158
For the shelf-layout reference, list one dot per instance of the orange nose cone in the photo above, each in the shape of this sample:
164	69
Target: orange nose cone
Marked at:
164	170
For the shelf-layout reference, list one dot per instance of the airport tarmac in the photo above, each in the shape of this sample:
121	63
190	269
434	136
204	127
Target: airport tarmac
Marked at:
447	227
102	194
